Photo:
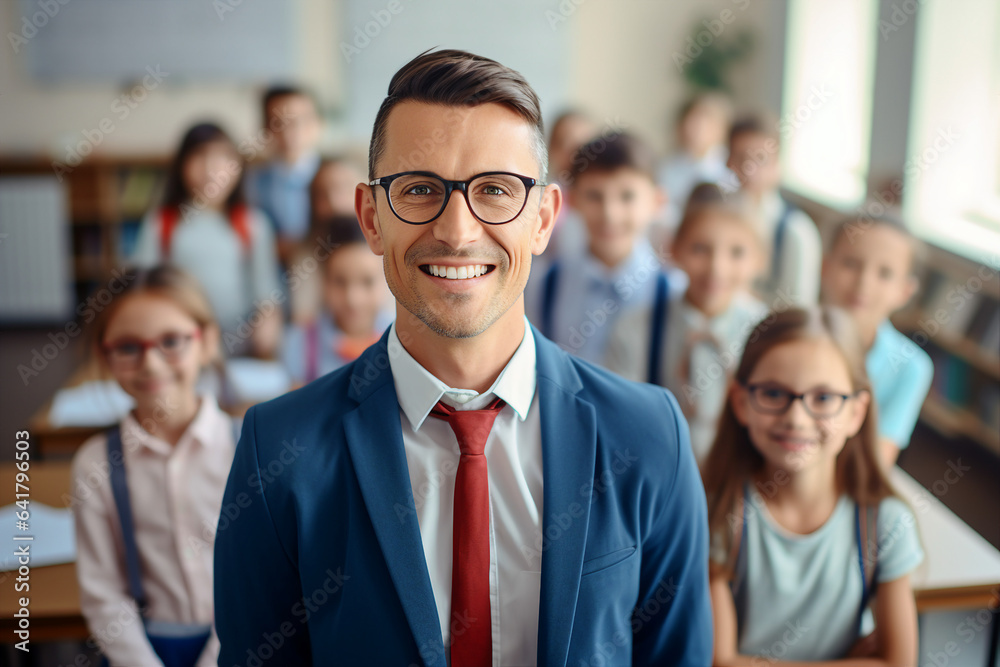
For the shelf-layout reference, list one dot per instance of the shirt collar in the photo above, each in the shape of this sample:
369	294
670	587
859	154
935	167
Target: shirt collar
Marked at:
202	429
304	167
597	271
418	391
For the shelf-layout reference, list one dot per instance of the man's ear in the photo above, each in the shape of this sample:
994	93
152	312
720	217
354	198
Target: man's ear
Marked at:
545	221
366	209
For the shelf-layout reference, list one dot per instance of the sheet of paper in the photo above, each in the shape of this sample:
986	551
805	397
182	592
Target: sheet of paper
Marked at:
53	540
98	403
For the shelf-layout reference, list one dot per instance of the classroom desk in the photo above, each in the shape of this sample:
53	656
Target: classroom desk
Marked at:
961	571
61	442
53	442
55	595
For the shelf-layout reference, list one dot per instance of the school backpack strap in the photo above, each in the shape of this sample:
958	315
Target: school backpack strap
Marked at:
312	351
119	490
866	531
549	286
737	558
661	313
176	644
169	215
787	209
239	218
237	429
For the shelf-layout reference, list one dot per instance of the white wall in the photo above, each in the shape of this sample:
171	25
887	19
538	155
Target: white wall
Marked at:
621	66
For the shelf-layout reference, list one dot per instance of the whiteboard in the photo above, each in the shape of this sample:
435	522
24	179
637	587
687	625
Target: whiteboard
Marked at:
529	36
35	284
116	40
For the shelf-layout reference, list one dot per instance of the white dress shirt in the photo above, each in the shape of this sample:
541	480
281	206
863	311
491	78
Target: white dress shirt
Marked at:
176	497
514	460
708	348
798	267
590	297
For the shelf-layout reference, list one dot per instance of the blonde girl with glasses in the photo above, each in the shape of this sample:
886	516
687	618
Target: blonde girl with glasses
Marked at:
808	536
147	494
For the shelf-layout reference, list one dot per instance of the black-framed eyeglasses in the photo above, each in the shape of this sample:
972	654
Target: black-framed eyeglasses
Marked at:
772	399
419	197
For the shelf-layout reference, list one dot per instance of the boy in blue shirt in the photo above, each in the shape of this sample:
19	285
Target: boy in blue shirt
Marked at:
579	298
870	272
280	187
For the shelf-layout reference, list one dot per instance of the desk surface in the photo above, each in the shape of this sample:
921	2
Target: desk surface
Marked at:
962	570
55	594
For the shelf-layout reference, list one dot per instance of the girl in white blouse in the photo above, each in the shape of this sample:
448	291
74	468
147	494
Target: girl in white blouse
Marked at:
145	539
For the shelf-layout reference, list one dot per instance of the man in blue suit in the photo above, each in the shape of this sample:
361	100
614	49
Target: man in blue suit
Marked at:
465	493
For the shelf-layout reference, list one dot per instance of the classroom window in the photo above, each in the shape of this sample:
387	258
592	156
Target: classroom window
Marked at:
952	171
826	110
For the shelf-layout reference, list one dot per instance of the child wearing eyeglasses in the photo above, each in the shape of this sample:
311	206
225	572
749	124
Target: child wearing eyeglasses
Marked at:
805	527
579	298
147	494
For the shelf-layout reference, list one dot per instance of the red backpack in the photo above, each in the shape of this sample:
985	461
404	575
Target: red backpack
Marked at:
238	218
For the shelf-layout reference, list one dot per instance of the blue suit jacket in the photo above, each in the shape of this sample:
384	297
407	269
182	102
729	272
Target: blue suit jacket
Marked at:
318	558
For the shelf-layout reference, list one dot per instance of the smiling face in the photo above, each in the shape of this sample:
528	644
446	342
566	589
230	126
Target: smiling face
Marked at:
754	159
721	255
354	288
156	381
870	277
485	266
295	125
617	207
794	440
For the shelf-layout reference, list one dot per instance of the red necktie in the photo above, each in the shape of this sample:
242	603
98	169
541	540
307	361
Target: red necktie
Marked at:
471	624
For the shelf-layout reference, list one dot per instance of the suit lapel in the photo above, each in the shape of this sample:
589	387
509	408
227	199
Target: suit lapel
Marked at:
569	445
375	440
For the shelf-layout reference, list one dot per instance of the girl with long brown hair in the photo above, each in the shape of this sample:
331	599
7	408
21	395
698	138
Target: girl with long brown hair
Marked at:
805	526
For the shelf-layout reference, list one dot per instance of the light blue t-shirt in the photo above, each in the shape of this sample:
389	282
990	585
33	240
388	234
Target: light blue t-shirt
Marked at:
803	592
900	373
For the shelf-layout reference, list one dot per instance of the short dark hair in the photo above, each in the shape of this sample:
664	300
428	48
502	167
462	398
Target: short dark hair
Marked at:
611	152
755	123
285	90
336	232
459	78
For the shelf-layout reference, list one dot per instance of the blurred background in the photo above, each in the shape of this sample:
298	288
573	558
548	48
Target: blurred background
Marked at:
879	104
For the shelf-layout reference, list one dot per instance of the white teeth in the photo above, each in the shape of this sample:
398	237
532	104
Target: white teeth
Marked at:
457	273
